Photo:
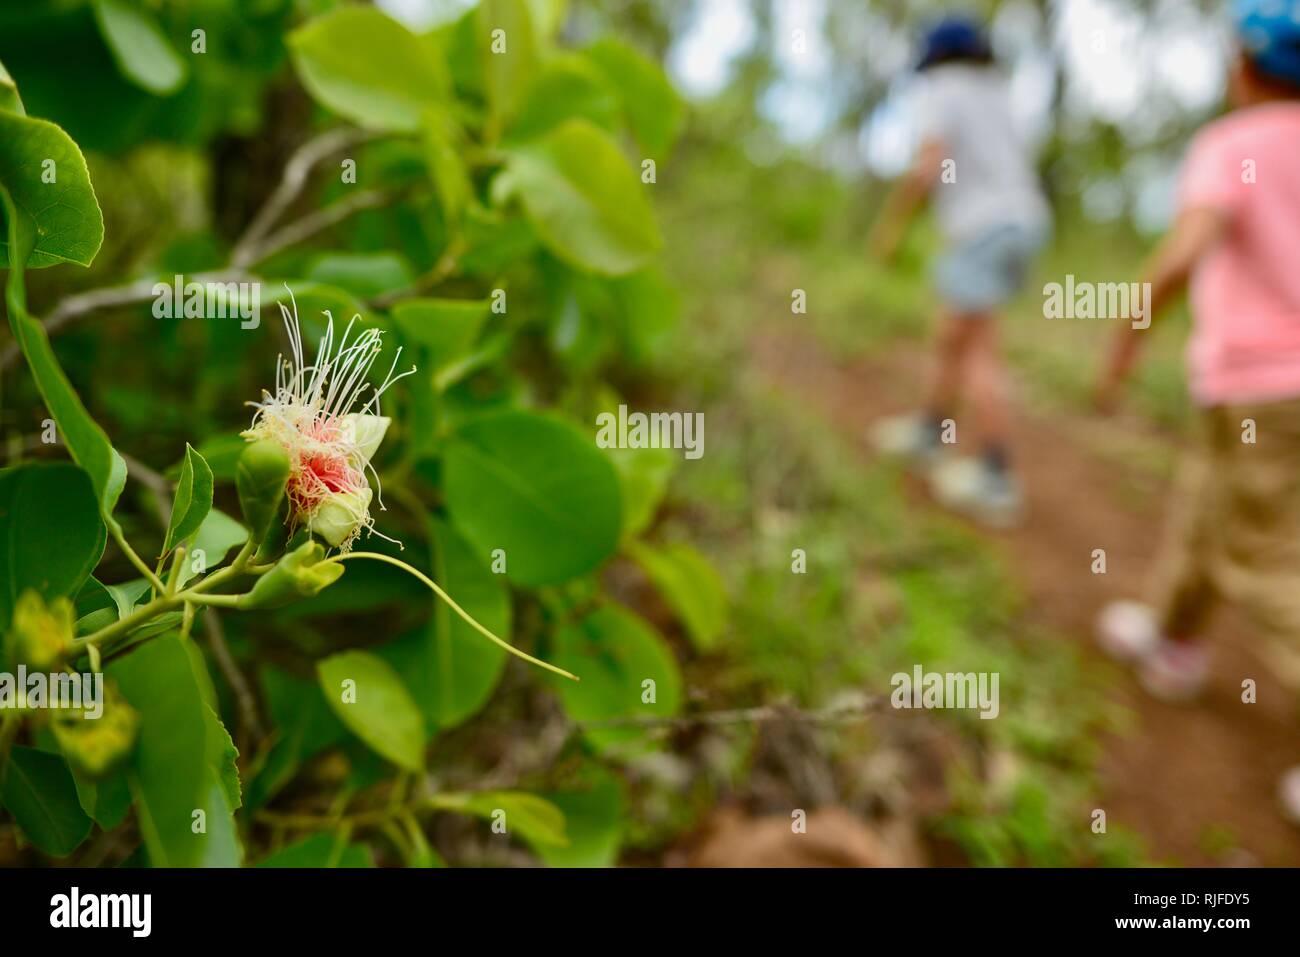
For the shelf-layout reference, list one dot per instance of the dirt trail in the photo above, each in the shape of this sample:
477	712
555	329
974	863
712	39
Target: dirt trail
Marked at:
1180	772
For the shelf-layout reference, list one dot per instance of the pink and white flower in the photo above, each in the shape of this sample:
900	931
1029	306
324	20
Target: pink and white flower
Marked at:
329	445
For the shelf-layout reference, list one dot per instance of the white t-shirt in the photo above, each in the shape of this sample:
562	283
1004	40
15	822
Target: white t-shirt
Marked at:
993	183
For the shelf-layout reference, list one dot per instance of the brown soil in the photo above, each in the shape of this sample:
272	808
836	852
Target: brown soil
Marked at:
1180	774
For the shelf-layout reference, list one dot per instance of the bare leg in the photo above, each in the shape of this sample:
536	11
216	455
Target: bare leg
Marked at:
948	370
988	385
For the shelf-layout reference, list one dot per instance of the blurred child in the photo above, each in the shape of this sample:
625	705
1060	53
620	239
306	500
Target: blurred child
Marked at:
987	200
1236	239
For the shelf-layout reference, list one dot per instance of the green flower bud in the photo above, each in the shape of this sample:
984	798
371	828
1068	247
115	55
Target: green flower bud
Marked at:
95	746
261	477
277	537
299	574
340	516
42	634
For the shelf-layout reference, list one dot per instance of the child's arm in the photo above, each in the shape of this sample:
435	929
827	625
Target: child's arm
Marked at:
905	200
1195	232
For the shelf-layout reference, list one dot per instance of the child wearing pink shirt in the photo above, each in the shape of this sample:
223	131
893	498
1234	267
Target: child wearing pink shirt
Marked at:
1236	246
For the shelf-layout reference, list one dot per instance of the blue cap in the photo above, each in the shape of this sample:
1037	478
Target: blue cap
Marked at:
1270	32
953	38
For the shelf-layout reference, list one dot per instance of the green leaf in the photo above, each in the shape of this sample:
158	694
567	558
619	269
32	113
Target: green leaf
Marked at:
84	439
616	653
445	328
306	725
320	850
9	98
139	47
42	796
450	668
51	535
643	476
533	818
585	202
648	310
362	274
67	223
441	140
536	487
367	67
193	499
569	86
172	773
593	821
369	697
508	72
218	534
653	109
106	801
690	585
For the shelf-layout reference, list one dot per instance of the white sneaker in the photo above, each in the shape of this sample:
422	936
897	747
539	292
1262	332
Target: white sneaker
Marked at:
1288	792
1128	631
1176	671
909	436
970	486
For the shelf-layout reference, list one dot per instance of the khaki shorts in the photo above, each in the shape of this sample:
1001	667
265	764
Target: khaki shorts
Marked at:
1235	532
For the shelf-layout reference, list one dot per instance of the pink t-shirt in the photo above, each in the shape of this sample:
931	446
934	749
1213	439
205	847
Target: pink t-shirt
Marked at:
1245	293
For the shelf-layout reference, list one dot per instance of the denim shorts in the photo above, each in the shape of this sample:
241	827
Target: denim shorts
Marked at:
988	269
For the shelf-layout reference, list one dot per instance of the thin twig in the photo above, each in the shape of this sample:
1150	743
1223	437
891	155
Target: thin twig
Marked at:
448	265
244	700
292	182
141	290
854	711
313	223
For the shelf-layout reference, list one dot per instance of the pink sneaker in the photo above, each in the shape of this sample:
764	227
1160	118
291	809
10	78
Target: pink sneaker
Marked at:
1127	630
1288	792
1175	671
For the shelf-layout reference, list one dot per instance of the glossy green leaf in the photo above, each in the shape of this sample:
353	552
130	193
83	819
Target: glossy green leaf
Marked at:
139	46
107	801
511	66
643	476
362	274
536	487
531	817
444	328
569	86
369	697
690	585
193	499
41	795
213	541
320	850
9	98
172	772
84	439
585	202
365	66
593	811
51	535
653	109
450	668
46	177
624	663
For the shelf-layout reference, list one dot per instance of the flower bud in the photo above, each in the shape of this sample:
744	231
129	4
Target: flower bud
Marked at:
299	574
42	634
366	431
96	745
261	476
341	515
